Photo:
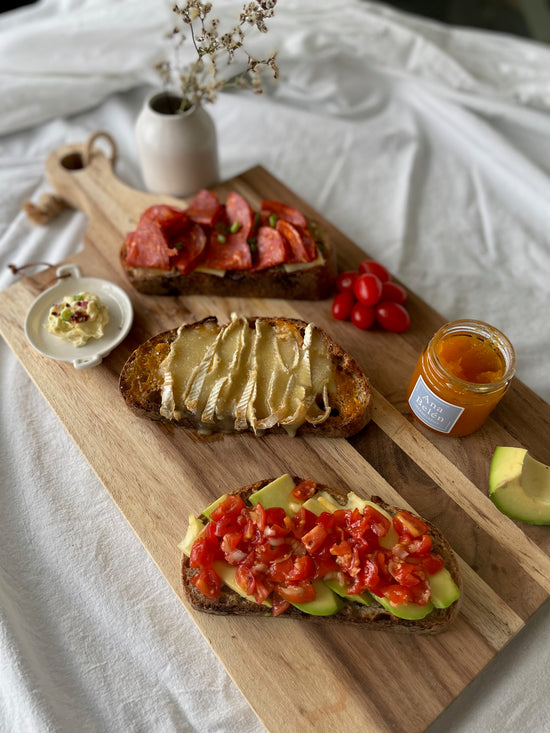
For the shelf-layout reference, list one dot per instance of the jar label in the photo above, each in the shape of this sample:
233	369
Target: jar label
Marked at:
432	410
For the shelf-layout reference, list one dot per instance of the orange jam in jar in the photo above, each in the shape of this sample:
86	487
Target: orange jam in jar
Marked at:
460	377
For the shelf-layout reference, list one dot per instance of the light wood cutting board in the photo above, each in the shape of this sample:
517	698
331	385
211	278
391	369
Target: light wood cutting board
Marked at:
300	676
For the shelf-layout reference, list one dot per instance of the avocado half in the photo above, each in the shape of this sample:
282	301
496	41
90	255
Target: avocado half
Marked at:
519	485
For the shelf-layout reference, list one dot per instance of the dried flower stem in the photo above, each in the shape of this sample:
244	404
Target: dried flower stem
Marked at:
200	81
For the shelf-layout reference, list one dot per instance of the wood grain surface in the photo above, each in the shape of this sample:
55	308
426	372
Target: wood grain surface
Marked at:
302	676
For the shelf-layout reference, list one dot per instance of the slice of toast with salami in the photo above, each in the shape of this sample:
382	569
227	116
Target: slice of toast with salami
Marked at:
294	548
257	375
228	249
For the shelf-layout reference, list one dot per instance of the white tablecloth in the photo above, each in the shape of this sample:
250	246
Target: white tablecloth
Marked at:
428	146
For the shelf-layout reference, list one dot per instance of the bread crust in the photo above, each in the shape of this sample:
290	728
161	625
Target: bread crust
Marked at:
140	385
313	283
372	617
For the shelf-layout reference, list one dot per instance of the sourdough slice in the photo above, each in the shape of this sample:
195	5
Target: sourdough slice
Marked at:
307	282
372	617
340	409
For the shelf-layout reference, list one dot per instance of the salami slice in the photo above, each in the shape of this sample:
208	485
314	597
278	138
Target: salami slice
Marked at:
163	215
205	208
271	249
283	211
148	246
189	248
239	211
231	254
296	249
309	244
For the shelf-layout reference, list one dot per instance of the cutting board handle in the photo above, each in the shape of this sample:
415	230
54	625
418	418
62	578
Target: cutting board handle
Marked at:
82	177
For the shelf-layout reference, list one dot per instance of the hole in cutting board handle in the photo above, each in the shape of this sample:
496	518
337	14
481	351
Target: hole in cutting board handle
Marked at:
72	162
75	161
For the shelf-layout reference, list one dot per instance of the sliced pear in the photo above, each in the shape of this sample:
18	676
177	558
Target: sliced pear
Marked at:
519	485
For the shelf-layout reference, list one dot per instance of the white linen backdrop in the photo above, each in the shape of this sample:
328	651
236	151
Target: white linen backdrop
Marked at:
427	145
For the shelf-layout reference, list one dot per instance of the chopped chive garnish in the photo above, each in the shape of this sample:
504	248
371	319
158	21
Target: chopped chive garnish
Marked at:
273	220
235	226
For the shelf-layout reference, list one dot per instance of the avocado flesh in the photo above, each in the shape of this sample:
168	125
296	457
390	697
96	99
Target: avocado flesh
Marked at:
193	531
409	611
519	485
210	508
326	602
444	590
277	493
364	598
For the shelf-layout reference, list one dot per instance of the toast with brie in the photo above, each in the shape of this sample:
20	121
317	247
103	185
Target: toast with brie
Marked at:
250	374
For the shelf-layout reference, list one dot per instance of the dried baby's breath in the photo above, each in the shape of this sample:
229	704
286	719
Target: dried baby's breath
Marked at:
202	79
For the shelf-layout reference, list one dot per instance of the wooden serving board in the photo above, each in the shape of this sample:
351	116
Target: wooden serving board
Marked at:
302	676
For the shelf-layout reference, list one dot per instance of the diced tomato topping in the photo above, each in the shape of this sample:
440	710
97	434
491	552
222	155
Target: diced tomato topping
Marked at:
406	523
245	579
397	595
208	582
232	504
303	593
279	604
433	563
313	539
277	556
420	546
303	521
203	553
304	490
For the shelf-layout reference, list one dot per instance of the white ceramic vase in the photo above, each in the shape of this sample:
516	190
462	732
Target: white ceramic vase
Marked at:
178	151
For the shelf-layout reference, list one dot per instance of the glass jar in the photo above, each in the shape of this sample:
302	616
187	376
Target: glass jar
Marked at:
460	377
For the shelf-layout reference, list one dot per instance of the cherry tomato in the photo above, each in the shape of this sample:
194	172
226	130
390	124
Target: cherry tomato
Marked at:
345	280
342	305
363	316
394	291
368	289
392	316
376	268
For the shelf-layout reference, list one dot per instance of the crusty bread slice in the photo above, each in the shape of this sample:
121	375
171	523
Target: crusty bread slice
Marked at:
315	282
349	392
372	617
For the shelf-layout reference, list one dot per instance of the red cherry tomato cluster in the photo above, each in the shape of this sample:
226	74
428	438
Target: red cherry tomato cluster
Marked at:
368	296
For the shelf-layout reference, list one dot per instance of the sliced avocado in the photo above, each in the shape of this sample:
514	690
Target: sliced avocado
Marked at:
326	602
278	493
364	598
209	509
228	575
314	505
444	590
409	611
194	529
520	486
